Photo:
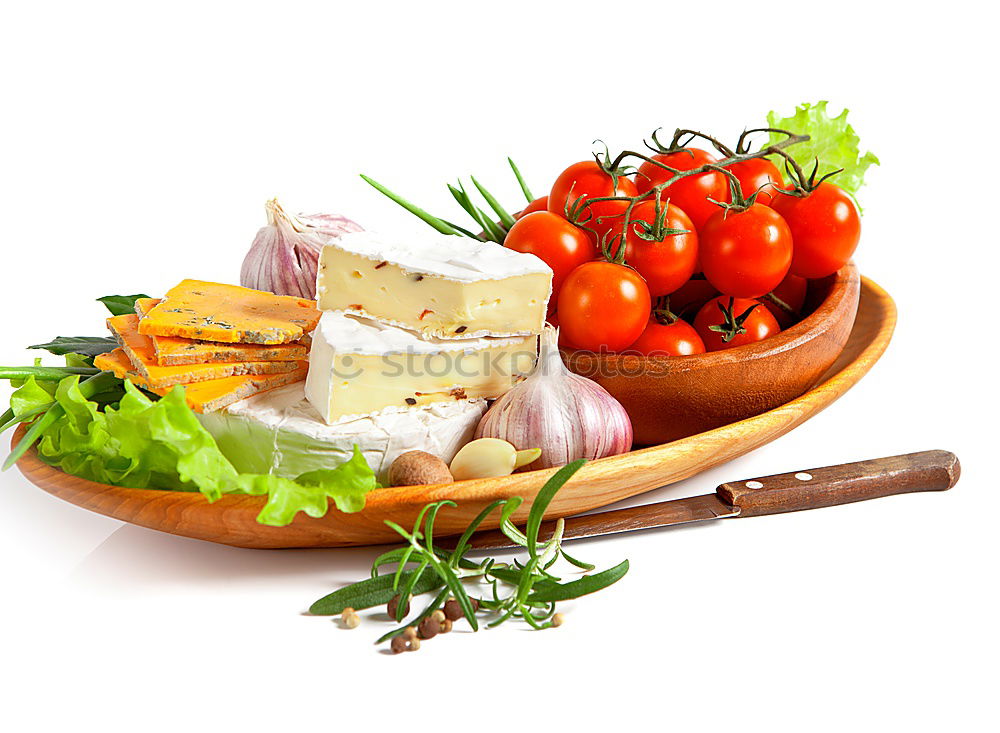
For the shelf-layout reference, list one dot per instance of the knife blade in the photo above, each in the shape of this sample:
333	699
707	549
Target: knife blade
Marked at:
934	470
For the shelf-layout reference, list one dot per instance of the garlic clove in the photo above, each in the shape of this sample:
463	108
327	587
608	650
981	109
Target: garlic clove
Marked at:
524	457
484	458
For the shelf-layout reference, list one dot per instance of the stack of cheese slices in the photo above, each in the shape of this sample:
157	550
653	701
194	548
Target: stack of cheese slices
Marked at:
415	336
222	342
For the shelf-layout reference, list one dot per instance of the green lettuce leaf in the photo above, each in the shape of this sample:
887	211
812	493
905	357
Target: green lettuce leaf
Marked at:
31	396
832	141
161	444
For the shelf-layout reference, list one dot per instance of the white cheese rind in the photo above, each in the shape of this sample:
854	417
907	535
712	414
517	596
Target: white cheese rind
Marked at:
449	287
280	433
450	257
358	367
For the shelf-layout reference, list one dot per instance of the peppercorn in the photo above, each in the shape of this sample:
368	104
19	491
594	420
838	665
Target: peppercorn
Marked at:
446	626
439	616
557	620
350	618
429	628
452	610
398	644
410	633
393	606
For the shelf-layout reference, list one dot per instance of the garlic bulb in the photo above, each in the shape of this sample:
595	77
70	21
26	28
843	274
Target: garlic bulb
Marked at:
564	414
285	253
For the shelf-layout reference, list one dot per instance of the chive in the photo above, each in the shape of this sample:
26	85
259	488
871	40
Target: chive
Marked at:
505	218
430	219
520	180
46	373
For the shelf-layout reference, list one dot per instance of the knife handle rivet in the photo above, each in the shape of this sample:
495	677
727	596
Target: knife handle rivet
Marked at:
754	485
803	476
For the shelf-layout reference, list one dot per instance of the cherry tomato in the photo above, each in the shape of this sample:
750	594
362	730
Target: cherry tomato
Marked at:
691	296
745	253
740	320
826	227
758	175
792	292
561	245
691	194
603	306
539	204
667	264
589	180
668	339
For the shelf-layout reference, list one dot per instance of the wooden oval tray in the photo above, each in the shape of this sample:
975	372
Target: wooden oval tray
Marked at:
231	520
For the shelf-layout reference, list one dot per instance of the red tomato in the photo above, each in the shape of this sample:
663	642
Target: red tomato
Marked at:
668	339
588	179
758	175
559	244
691	194
603	306
745	253
726	322
668	264
792	292
826	227
539	204
691	296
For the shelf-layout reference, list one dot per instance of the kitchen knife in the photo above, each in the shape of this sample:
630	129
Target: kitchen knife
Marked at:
933	470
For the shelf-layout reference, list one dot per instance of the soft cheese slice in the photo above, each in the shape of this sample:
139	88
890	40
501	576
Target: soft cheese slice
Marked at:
280	433
203	396
174	351
139	350
359	366
445	287
228	313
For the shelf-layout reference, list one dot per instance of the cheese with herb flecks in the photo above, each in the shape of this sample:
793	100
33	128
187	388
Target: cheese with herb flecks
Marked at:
174	351
358	366
206	396
207	311
140	352
445	287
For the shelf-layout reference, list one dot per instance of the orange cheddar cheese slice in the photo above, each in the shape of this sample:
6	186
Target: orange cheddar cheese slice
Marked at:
204	396
230	314
139	350
174	351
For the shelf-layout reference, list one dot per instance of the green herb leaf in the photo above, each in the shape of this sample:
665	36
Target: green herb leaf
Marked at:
581	587
429	219
520	180
121	305
505	218
370	593
831	140
542	500
85	345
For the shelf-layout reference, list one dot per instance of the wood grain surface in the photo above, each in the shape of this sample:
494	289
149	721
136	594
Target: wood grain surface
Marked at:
232	519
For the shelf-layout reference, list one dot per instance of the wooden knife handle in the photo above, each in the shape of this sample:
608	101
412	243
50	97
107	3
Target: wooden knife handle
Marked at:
932	470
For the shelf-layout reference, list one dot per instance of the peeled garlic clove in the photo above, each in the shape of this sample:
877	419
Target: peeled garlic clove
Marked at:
484	458
524	457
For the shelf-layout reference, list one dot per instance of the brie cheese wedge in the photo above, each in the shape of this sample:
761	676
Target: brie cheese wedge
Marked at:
445	287
279	433
358	366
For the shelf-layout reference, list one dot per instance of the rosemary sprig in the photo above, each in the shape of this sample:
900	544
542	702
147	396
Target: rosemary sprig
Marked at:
525	590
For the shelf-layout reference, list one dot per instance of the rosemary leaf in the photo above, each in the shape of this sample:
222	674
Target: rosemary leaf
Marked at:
371	592
581	587
542	500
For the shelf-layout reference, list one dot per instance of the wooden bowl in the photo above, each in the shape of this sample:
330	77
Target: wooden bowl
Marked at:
671	397
232	519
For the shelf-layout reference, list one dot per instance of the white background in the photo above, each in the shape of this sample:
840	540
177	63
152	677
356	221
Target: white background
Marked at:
139	144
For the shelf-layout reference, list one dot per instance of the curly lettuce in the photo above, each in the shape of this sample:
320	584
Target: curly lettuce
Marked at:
832	141
161	444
